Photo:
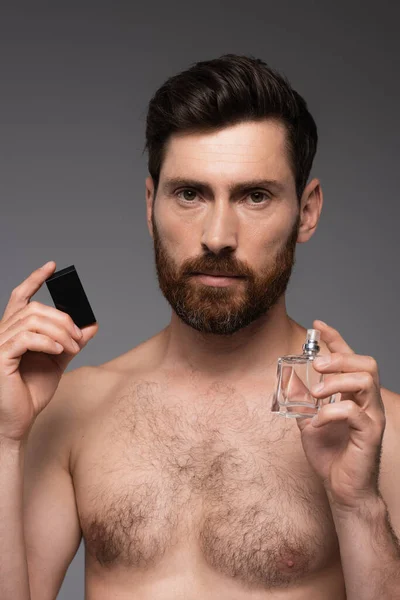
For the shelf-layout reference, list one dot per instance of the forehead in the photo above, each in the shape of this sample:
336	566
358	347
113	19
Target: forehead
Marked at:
256	148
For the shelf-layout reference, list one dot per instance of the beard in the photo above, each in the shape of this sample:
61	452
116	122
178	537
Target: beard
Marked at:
223	310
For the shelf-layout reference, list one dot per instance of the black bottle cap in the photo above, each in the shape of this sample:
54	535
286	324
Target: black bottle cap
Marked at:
68	295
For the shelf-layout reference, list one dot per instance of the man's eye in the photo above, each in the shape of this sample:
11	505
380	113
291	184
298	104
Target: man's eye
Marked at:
188	195
258	197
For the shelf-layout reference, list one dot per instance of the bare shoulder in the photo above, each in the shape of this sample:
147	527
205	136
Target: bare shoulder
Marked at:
389	479
391	402
52	433
54	429
83	391
391	439
84	387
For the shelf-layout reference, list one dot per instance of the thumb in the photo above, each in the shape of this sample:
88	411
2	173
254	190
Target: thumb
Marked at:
88	333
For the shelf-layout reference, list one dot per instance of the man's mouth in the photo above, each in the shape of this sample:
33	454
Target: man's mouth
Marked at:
216	278
216	274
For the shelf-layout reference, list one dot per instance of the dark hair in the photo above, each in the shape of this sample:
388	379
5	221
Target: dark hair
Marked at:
225	91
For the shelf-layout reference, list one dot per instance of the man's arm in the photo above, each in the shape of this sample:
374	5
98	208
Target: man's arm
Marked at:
39	525
14	582
370	542
370	553
51	521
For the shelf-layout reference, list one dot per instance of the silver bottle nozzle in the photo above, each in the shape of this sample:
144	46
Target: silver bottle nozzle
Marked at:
311	345
313	335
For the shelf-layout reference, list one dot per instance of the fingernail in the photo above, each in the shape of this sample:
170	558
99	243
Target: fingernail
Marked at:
78	331
318	388
46	265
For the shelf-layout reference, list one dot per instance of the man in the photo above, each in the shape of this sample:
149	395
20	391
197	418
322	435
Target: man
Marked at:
168	459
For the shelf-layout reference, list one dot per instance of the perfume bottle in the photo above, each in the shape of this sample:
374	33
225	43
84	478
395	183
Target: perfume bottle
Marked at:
295	377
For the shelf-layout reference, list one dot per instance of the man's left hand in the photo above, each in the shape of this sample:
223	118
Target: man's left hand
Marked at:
343	442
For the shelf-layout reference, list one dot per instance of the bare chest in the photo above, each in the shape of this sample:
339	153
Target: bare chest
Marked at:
157	471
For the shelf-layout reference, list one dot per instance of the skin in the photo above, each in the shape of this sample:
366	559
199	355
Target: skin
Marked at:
239	153
214	222
184	415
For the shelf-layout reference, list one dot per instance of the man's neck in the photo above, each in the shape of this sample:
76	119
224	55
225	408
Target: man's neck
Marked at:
252	350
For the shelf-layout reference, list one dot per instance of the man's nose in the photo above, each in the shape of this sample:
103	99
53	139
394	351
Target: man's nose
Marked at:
220	228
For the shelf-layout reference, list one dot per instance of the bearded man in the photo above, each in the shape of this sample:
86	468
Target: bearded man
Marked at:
168	460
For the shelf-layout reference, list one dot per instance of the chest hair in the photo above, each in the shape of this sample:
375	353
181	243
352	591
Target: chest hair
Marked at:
214	468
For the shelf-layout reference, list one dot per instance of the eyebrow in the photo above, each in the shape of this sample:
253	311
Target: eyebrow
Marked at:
272	184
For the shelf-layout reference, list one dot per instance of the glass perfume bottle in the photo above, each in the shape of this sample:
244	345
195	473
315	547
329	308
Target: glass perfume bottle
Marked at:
295	377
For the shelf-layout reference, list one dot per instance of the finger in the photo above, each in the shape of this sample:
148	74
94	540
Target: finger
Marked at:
369	430
21	295
39	324
42	311
81	335
88	332
347	363
361	385
332	338
16	346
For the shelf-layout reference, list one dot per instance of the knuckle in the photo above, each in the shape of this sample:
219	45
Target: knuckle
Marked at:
68	322
34	305
32	320
372	364
15	293
23	336
350	407
367	380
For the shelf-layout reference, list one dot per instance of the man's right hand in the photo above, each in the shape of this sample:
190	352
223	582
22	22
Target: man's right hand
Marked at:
31	359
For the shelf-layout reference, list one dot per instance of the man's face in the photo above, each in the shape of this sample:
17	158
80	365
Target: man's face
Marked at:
213	215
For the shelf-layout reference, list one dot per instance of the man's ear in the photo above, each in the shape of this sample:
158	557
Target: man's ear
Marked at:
310	210
149	203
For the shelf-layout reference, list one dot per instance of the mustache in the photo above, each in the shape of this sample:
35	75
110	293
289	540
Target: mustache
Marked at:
223	264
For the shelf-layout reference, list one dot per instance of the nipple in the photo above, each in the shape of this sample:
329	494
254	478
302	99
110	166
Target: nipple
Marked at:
290	563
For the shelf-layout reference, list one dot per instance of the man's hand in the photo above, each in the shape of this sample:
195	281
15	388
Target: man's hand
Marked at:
343	442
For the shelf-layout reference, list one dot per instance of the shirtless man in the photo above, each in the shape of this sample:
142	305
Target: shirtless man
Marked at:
167	459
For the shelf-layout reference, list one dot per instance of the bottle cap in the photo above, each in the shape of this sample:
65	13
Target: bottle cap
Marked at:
313	335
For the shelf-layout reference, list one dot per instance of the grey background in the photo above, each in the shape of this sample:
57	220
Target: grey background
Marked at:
74	86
